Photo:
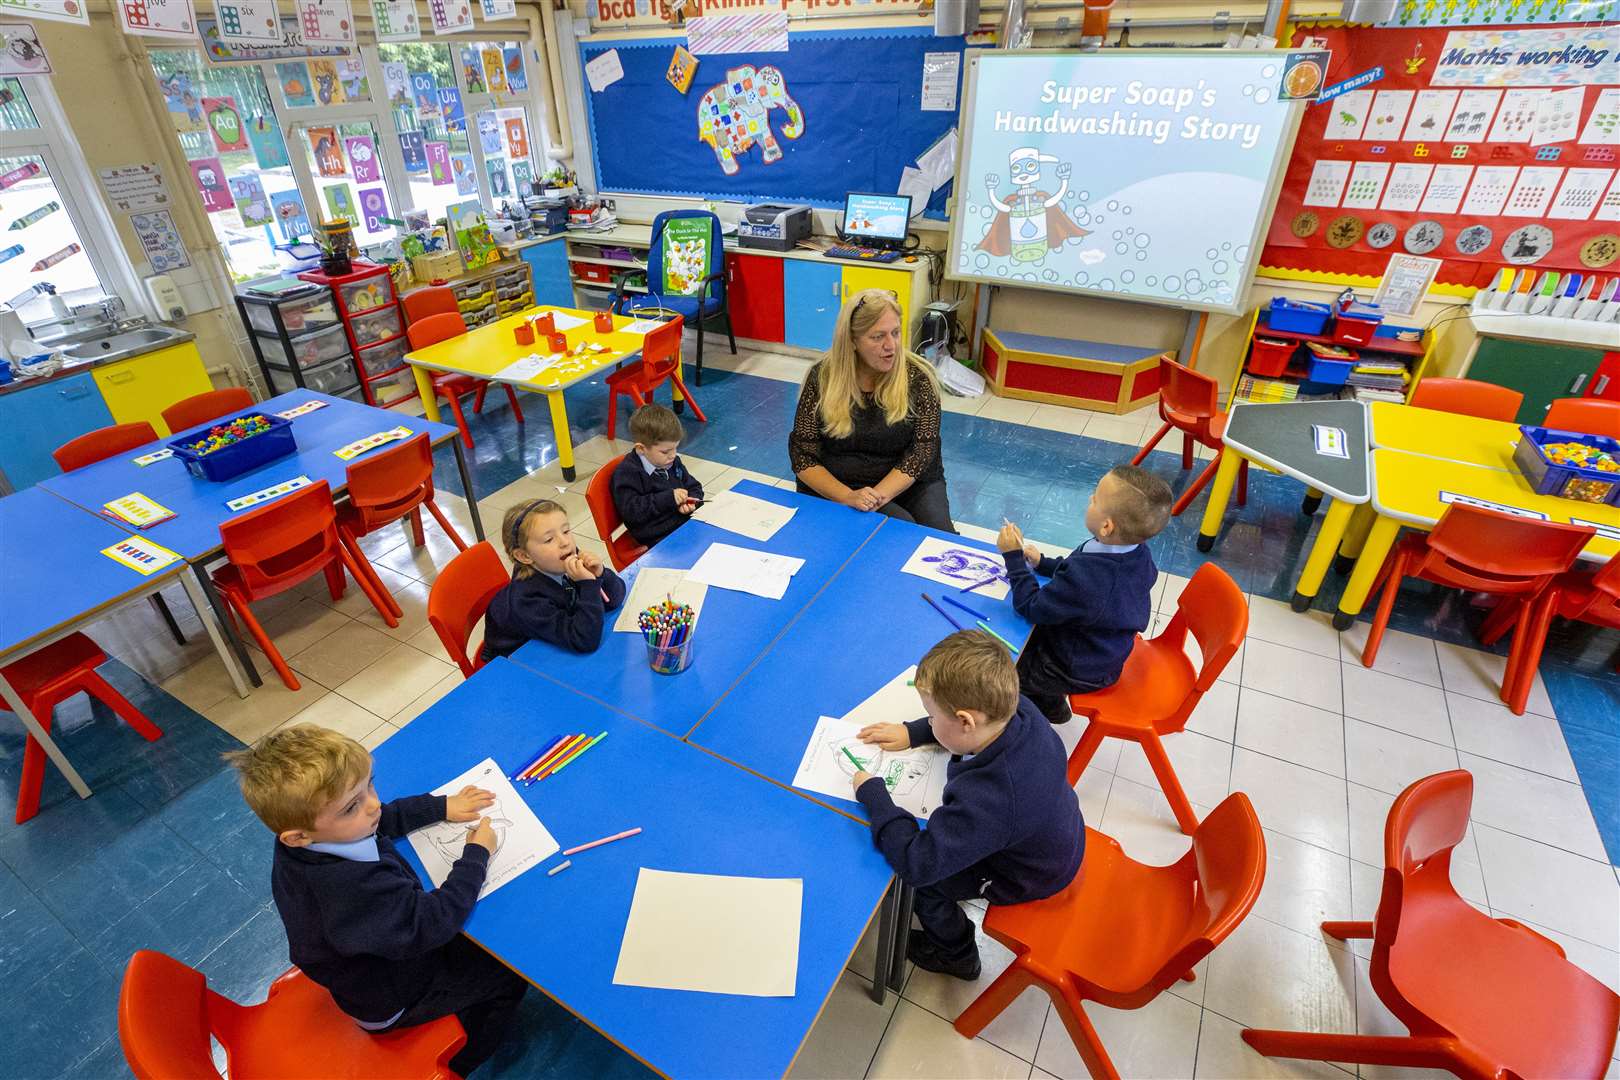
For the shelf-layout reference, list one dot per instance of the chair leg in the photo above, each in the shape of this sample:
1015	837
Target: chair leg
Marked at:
1141	455
1090	740
613	411
1346	930
1502	618
478	397
1243	483
1528	642
700	345
374	593
444	523
1186	451
1386	604
162	607
102	690
334	581
251	622
352	546
511	395
1180	805
461	420
993	1000
33	765
1195	487
416	527
1362	1049
1085	1037
691	402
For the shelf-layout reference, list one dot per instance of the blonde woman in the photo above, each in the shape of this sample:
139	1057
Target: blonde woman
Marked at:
866	433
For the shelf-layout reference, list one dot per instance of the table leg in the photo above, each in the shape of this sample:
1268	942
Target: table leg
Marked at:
424	387
1327	542
887	918
1380	538
205	613
1354	537
1313	502
559	428
227	626
467	488
902	936
1219	493
15	703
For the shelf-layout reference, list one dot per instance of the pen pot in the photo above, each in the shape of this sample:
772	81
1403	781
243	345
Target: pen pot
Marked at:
543	324
604	322
523	334
557	342
670	659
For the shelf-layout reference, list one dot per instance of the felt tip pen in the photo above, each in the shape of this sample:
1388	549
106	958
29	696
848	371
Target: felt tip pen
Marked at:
986	628
532	762
565	864
604	840
859	764
569	760
945	614
558	749
971	611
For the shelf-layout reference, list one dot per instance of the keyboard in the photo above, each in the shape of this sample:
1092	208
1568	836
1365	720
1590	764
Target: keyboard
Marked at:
865	254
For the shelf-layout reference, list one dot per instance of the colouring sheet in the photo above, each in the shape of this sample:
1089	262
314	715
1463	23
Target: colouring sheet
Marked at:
959	565
652	585
726	566
915	778
743	514
522	843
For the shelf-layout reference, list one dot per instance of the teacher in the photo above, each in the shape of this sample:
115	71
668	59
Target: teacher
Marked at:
866	432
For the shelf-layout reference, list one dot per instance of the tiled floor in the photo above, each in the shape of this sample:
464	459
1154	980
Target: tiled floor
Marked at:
165	855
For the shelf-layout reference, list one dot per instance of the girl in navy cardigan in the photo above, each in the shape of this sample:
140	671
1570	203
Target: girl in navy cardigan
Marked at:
559	593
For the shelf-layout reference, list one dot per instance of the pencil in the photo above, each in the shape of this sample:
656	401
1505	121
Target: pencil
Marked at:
570	758
957	603
942	611
986	628
604	840
859	764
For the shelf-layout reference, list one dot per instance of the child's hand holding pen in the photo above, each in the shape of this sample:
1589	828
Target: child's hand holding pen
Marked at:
1010	538
482	833
466	804
684	501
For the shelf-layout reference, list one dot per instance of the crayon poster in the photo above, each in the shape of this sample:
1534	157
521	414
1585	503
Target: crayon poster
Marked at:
328	154
374	204
438	159
247	192
225	122
363	159
340	203
209	176
413	149
296	88
290	216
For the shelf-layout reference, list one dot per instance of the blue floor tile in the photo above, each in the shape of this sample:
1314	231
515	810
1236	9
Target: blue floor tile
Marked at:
95	894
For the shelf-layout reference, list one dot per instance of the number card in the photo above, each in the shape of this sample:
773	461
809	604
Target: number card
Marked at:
264	495
141	555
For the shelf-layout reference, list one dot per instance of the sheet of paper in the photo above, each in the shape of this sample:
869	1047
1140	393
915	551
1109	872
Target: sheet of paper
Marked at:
939	78
1471	119
521	842
1330	441
1608	207
710	35
1603	126
1327	183
371	442
1533	191
959	565
1559	116
1407	180
138	510
565	322
1347	115
1387	116
1516	119
743	514
264	495
918	186
142	555
745	570
1405	282
1430	112
527	368
1446	187
158	455
1366	185
713	934
915	778
1579	194
605	70
299	410
1490	189
651	586
640	326
938	162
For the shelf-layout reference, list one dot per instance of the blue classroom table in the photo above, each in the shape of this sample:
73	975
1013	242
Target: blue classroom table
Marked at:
869	625
199	505
700	815
734	628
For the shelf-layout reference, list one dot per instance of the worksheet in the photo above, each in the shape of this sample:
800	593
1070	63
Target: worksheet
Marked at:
1490	189
527	368
1406	184
757	519
1558	116
654	584
1532	191
1446	187
915	777
1580	193
1366	185
1472	116
958	566
1603	126
745	570
1327	183
1608	208
1430	112
1387	116
1516	119
521	842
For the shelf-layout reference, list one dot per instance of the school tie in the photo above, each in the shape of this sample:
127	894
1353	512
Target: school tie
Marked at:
662	474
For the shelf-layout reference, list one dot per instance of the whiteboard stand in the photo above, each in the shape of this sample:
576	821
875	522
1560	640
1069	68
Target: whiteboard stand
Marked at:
1197	321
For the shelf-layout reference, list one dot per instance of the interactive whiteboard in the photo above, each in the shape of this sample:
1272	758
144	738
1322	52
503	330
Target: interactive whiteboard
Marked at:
1148	175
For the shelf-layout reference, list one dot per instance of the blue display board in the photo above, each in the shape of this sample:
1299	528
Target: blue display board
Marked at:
842	111
1148	175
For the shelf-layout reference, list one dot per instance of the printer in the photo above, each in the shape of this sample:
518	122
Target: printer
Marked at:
773	226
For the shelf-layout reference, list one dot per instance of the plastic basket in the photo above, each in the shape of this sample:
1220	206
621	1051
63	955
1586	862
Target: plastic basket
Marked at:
1296	316
1580	483
1349	330
670	659
1270	357
229	462
1329	372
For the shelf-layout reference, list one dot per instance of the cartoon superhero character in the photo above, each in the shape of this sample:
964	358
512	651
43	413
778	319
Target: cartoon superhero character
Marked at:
1031	222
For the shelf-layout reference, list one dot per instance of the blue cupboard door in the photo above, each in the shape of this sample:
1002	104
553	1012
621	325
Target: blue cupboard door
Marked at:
548	262
36	420
811	295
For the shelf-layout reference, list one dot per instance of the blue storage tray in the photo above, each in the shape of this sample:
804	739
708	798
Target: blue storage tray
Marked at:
1297	316
1329	372
1549	478
229	462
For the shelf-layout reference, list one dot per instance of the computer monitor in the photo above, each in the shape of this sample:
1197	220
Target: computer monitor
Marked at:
876	220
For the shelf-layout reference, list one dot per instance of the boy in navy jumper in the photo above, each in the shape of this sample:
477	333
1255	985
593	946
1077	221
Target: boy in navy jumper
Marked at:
1098	599
652	490
559	592
1008	828
358	921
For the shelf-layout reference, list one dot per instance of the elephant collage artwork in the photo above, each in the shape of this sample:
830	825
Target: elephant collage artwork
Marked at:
734	115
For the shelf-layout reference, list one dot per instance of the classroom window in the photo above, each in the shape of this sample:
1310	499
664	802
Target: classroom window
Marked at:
237	155
348	170
504	135
430	120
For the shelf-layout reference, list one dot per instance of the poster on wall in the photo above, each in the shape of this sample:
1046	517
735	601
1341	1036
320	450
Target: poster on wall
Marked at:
395	20
225	123
297	90
396	82
451	16
499	185
160	240
450	107
522	176
374	205
290	216
328	152
157	18
352	73
339	203
20	51
499	9
414	150
494	69
248	22
251	202
489	132
135	187
461	167
291	46
363	159
472	70
209	176
438	159
517	79
326	22
1407	13
183	103
72	11
328	86
426	93
264	135
517	137
1540	56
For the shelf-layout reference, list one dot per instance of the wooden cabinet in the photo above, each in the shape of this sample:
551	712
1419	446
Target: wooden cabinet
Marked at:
1540	371
896	283
141	387
811	296
754	295
36	420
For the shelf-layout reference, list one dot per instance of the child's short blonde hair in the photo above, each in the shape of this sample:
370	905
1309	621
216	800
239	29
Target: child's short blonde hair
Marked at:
1142	509
514	529
970	670
653	424
291	775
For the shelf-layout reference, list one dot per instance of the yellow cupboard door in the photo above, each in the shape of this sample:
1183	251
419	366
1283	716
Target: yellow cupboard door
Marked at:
141	387
897	283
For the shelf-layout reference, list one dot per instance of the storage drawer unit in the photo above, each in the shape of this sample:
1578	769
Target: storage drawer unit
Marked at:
141	387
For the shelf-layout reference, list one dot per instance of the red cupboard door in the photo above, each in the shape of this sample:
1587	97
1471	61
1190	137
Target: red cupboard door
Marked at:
754	293
1606	380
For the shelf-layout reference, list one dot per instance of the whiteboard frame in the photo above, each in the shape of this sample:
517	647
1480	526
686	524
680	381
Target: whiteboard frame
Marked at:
1240	305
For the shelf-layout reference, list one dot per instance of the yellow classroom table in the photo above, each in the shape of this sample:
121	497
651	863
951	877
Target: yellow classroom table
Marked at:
1443	435
490	349
1413	490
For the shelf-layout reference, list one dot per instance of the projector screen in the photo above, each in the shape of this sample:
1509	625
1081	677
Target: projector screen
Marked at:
1145	175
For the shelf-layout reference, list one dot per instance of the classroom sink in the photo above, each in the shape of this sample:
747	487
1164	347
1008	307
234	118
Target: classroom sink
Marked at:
127	343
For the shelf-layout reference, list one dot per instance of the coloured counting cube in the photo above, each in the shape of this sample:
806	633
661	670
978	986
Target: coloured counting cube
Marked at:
1459	151
1599	153
1421	150
1549	153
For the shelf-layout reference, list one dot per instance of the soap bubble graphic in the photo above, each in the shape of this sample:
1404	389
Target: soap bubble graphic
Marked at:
982	262
1141	256
1219	266
1106	284
1082	278
1002	270
1172	283
1049	275
1085	196
1143	240
1119	235
1152	280
1121	249
1262	96
1269	70
1113	204
1248	90
1130	230
1127	276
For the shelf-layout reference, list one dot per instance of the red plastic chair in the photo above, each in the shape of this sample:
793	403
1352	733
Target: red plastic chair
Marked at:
102	443
1589	416
431	317
1484	998
46	678
660	362
1469	397
201	408
622	547
1482	551
1576	595
384	488
1123	932
281	545
167	1015
1158	689
459	597
1188	402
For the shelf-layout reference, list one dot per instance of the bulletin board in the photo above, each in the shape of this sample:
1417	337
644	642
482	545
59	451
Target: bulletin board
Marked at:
1483	147
859	95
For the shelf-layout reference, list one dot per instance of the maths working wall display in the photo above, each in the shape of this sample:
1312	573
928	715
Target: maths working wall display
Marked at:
1147	174
1477	147
837	112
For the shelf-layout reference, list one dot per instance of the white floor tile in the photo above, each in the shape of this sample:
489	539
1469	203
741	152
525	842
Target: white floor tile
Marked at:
1292	799
1168	591
1534	806
1158	1040
338	713
378	735
1017	1030
1407	655
1244	987
1366	888
1388	760
1093	789
1293	674
1203	765
1216	713
918	1044
1479	674
1550	887
1373	1018
397	679
1531	741
1276	622
1140	819
1105	759
1012	410
1293	732
341	655
1223	1055
1369	810
845	1038
1399	704
1060	418
1110	428
1305	884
